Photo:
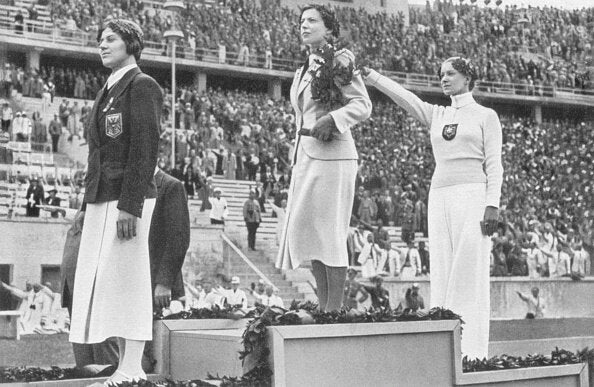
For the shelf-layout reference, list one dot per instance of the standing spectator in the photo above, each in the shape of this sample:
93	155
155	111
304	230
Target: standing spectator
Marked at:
252	217
169	239
536	257
498	264
563	261
219	210
534	303
408	220
75	200
53	200
369	257
411	265
25	297
64	111
35	197
581	261
39	132
231	166
424	255
236	297
281	213
367	209
17	127
19	22
55	131
221	163
6	117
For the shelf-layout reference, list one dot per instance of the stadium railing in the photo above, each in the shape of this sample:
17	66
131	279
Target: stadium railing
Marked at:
42	31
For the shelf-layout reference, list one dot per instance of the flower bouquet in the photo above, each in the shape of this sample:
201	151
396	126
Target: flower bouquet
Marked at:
332	69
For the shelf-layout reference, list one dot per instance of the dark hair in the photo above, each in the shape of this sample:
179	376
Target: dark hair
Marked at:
463	66
130	33
328	17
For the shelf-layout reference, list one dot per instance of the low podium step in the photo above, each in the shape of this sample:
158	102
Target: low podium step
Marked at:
195	354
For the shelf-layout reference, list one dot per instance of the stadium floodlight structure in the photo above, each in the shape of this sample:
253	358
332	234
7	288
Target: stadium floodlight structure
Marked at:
172	35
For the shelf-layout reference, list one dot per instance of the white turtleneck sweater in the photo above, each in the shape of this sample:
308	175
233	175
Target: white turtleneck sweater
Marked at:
473	155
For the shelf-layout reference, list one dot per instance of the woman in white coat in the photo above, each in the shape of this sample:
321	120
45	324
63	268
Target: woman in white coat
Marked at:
322	186
464	198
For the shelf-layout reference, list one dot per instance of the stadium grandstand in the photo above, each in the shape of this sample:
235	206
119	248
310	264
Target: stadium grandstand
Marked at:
235	64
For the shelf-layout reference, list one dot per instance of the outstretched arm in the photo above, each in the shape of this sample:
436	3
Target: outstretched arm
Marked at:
407	100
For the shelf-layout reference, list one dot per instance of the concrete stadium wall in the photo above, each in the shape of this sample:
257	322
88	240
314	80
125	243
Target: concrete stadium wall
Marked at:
562	297
28	244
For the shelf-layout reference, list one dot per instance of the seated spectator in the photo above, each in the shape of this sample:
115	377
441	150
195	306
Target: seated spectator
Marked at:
380	297
271	299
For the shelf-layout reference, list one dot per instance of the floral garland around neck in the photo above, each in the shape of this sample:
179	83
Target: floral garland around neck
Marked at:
332	69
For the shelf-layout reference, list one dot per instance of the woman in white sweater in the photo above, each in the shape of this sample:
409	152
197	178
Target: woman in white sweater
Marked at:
464	197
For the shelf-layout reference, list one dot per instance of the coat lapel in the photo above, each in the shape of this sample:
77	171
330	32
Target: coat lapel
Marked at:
117	89
304	81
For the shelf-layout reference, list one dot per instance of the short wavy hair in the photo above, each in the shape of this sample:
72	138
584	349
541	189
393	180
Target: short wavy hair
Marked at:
328	17
463	66
130	32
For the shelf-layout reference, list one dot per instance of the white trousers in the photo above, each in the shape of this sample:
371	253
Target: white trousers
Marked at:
459	254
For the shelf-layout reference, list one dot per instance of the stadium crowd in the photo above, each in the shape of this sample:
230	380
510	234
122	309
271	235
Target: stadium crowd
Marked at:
246	136
555	43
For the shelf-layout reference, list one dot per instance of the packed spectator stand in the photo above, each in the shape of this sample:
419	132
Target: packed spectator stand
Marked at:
529	50
548	165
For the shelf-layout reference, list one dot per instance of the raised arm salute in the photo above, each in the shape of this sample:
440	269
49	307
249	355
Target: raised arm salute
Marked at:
464	197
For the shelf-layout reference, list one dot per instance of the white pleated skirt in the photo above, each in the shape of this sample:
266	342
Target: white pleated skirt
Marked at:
112	285
319	210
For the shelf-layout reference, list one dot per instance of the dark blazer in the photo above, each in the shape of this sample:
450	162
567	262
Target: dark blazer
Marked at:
124	128
169	237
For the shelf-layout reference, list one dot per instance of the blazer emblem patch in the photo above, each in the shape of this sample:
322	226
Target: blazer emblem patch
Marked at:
449	131
113	125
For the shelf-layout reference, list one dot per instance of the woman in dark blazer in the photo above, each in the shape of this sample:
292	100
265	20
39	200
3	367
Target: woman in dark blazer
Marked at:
113	261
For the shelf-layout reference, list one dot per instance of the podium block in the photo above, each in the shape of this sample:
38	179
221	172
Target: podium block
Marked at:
401	353
195	354
163	329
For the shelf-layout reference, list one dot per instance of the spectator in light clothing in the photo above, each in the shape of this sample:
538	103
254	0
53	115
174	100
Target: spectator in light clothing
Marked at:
236	297
280	214
271	299
6	117
411	265
368	259
581	261
534	303
563	261
219	210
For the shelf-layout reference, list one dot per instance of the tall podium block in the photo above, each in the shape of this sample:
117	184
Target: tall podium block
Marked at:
399	353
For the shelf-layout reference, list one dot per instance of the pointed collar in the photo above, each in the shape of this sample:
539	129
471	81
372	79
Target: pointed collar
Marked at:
115	77
462	100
